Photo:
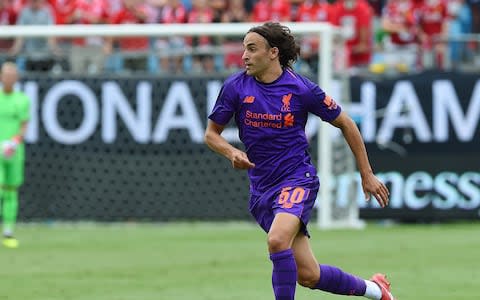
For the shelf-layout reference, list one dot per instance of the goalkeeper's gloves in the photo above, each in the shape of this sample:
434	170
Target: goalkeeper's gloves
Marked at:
10	146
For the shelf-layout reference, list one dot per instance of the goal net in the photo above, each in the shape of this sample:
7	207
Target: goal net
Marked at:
336	208
337	200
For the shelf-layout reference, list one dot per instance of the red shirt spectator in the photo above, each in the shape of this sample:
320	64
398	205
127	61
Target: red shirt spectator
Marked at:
112	7
17	5
233	46
417	4
433	16
400	20
200	13
8	16
271	10
235	12
315	11
173	12
63	9
132	13
83	12
171	48
79	11
356	15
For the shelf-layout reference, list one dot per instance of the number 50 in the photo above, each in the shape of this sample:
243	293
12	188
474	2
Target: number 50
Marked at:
290	196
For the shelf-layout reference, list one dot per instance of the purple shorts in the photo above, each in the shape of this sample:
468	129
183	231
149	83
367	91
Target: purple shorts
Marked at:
295	197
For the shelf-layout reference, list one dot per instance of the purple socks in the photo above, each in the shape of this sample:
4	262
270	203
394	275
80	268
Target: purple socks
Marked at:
332	279
284	275
335	281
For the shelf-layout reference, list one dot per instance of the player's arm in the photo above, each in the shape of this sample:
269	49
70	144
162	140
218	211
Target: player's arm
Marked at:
24	116
214	140
370	183
21	133
9	147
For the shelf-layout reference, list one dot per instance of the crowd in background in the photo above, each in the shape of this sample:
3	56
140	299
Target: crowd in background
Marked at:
406	35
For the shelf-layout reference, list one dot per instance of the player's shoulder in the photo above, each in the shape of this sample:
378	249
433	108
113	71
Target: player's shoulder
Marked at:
17	95
21	100
21	96
303	82
236	78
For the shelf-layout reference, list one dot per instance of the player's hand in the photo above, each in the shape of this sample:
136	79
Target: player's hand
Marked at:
8	148
372	186
240	160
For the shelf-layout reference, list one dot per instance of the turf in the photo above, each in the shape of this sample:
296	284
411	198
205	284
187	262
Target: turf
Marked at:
223	261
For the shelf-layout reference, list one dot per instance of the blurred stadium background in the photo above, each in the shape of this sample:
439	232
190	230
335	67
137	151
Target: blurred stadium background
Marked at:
122	199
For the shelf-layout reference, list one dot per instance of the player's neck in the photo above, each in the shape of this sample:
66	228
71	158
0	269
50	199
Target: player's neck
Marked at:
7	90
270	75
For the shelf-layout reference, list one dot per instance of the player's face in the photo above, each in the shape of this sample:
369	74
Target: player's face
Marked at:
9	76
258	56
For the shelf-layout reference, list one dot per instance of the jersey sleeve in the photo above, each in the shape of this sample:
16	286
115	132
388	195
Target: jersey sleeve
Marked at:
225	106
321	104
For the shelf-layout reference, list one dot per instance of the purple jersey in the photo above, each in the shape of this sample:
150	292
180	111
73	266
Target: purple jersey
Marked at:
271	119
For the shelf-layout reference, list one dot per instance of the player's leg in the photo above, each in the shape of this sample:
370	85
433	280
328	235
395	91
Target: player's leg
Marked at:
307	266
323	277
292	206
280	237
13	179
332	279
2	183
10	209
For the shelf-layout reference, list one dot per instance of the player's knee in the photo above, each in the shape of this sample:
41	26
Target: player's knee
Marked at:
277	243
308	278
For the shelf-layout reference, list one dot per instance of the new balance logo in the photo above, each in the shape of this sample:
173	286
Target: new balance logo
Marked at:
248	99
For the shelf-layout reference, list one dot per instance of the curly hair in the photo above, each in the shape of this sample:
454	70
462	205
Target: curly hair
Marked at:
281	37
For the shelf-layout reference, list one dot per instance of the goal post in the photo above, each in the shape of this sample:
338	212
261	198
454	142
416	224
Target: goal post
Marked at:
330	215
333	213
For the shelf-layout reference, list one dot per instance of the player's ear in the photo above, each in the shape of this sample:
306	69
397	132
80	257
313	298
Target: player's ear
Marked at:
274	52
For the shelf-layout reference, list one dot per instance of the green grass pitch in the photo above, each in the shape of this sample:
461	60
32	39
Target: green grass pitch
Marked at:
228	261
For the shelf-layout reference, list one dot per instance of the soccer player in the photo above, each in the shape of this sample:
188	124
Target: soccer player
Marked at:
14	115
271	103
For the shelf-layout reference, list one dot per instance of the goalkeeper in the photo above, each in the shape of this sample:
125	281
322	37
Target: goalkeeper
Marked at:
14	114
